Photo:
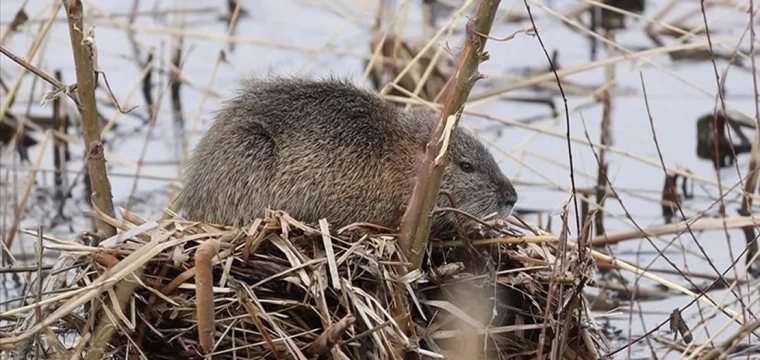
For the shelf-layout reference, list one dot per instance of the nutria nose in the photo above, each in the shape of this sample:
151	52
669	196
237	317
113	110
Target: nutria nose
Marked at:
509	192
510	200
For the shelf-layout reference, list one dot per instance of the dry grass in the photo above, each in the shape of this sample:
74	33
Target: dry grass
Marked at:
284	289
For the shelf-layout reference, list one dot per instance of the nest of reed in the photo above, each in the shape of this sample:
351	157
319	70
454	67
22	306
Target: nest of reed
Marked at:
282	289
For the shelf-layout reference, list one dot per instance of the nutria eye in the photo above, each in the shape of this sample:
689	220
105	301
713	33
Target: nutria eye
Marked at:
466	167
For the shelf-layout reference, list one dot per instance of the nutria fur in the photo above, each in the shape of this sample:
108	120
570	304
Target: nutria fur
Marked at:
327	149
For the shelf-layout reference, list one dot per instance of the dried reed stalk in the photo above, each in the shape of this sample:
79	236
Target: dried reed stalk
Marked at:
204	282
415	224
85	55
426	78
282	292
331	336
9	97
105	328
83	48
50	284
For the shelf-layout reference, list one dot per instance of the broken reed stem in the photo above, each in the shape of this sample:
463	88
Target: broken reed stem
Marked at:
204	282
106	327
605	138
175	81
330	337
59	157
415	224
84	53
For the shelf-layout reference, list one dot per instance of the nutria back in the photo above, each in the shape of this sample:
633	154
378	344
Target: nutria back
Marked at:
327	149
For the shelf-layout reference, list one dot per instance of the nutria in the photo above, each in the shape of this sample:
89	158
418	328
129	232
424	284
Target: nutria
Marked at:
328	149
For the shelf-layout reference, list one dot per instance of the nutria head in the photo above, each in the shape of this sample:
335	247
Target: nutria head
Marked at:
472	177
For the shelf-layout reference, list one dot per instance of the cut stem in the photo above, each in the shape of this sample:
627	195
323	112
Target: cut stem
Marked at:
84	53
415	224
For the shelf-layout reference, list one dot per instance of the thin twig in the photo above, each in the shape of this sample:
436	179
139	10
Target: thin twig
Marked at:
59	87
688	227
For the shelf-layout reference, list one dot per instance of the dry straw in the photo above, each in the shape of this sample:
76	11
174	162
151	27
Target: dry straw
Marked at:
286	290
